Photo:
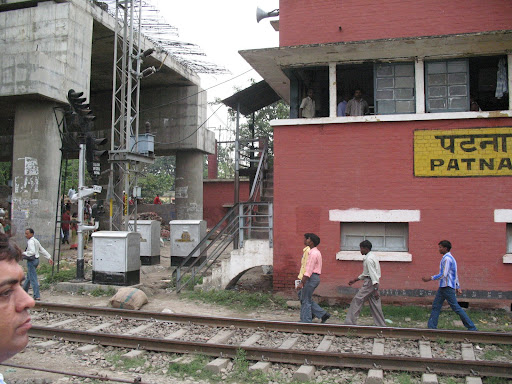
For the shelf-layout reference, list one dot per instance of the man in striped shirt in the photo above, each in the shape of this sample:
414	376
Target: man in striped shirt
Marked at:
448	285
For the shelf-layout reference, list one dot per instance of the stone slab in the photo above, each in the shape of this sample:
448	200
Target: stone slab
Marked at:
304	373
251	340
378	347
139	329
217	365
47	344
86	349
134	354
473	380
221	337
467	351
429	378
262	366
177	335
325	345
375	376
185	359
289	343
425	349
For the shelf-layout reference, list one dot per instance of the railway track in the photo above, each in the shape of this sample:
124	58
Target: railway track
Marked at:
322	345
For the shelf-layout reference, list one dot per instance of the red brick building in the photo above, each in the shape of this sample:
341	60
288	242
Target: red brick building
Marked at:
425	164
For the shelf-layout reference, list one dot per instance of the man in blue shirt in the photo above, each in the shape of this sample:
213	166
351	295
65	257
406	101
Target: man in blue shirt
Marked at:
448	285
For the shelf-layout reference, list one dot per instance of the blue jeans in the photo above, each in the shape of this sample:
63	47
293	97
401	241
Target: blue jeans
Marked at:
448	294
32	278
308	307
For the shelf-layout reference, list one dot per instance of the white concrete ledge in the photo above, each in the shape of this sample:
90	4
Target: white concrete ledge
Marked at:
507	258
356	215
503	215
397	117
404	257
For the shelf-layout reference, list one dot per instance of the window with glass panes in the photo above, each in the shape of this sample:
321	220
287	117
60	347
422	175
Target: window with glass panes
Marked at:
394	88
384	237
447	85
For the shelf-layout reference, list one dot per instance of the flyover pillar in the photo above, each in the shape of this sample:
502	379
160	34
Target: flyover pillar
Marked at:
36	169
189	185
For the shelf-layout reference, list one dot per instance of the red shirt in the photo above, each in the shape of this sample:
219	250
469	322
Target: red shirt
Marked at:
157	200
65	221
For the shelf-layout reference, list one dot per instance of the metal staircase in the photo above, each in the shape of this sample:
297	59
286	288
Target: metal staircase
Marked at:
245	220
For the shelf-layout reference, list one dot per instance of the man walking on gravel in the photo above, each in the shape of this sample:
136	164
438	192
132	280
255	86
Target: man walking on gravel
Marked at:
369	290
34	248
448	286
310	281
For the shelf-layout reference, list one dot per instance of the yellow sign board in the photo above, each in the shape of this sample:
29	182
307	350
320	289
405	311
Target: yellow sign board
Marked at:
463	152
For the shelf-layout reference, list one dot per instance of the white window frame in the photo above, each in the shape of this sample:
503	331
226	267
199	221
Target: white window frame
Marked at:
505	216
356	215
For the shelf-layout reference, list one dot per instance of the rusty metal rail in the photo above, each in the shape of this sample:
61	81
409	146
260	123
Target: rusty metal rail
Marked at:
283	326
327	359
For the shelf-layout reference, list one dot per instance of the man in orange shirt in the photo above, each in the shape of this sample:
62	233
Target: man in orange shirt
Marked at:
310	281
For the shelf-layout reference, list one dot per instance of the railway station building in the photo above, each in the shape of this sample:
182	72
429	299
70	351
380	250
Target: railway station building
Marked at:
430	160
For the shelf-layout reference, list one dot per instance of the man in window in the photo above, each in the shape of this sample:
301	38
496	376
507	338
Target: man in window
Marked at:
370	289
307	108
448	285
357	106
310	281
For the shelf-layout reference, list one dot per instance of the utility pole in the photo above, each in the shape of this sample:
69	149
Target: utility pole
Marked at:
124	153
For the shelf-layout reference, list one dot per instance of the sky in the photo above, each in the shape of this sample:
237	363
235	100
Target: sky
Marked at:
222	28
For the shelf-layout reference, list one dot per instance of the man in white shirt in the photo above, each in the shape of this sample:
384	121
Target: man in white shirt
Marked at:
34	248
14	302
357	106
307	108
370	289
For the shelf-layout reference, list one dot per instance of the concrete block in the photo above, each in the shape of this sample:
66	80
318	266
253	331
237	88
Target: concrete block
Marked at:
251	340
293	304
262	366
134	354
217	365
62	323
221	337
176	335
378	347
185	359
139	329
425	350
473	380
458	323
47	344
86	349
467	351
375	376
304	373
325	344
429	378
289	343
99	327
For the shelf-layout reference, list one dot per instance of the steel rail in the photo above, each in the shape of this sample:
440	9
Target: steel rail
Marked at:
294	327
83	375
289	356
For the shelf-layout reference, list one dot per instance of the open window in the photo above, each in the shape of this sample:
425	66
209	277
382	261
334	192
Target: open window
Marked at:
315	78
350	77
484	81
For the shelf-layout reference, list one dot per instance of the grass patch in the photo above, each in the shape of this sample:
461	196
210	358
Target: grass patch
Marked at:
102	292
186	281
66	272
237	300
118	361
194	368
241	371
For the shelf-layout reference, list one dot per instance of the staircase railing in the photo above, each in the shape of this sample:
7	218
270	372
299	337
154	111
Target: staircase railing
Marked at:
238	221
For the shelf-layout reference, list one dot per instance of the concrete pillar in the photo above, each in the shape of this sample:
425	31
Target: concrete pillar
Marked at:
36	168
189	185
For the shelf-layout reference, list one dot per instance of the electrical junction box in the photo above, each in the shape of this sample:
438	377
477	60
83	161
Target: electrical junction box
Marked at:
149	242
145	144
185	236
116	257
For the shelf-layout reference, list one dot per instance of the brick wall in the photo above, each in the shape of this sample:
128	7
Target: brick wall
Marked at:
313	22
216	194
370	166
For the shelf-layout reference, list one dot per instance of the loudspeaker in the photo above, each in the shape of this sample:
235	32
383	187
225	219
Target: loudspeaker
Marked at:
261	14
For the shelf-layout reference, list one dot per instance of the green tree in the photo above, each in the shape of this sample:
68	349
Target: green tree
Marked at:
5	172
158	178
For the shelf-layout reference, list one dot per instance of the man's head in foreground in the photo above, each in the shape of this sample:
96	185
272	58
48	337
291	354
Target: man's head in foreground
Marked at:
14	301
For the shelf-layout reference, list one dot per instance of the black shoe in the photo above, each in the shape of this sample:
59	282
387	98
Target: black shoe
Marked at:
325	317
